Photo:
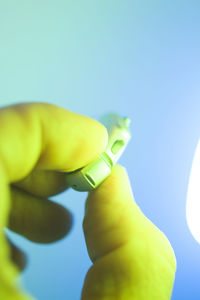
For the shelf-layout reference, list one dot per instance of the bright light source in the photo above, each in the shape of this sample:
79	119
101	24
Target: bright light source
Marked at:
193	197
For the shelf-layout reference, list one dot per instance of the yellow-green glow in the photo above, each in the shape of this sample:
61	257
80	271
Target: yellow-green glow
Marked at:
193	197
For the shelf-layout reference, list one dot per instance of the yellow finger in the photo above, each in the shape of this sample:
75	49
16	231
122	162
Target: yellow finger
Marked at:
132	258
48	136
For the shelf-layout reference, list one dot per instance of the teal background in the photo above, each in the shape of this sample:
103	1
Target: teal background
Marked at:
136	58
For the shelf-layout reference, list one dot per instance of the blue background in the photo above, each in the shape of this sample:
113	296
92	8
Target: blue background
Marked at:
137	58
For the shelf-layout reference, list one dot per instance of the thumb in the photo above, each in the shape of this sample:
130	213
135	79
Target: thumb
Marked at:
108	215
129	252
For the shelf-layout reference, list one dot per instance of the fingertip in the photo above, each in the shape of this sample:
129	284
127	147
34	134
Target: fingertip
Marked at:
116	184
91	138
101	133
120	170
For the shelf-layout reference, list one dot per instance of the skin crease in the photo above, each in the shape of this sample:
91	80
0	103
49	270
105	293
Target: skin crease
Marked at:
132	258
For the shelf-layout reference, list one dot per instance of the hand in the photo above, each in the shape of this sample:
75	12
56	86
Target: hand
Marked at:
131	258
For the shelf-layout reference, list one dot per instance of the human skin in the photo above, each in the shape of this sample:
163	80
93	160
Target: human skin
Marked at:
39	142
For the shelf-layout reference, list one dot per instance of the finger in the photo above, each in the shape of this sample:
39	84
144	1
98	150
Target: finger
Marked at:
129	252
17	256
39	220
46	136
43	183
49	137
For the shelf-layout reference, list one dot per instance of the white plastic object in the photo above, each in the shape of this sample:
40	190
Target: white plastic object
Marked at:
91	176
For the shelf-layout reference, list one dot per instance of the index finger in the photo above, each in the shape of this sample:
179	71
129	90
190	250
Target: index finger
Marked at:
46	135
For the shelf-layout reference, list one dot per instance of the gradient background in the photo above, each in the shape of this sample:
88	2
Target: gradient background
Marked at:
137	58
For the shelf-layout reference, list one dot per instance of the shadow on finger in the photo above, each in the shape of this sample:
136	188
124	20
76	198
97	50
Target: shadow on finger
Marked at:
17	256
38	219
